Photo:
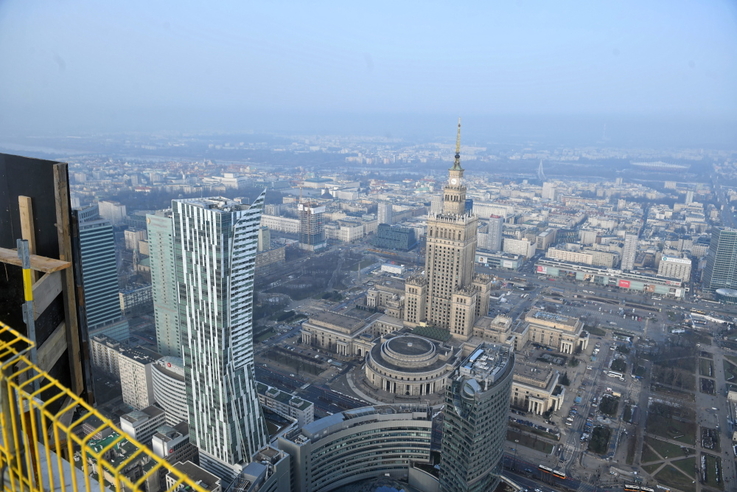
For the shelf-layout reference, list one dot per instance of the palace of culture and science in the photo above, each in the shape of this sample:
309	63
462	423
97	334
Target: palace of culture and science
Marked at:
449	296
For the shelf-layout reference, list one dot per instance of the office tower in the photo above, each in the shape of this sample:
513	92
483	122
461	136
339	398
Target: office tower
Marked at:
475	420
496	227
629	252
35	205
385	213
311	231
102	314
164	283
548	192
215	242
264	239
689	197
112	211
450	296
721	261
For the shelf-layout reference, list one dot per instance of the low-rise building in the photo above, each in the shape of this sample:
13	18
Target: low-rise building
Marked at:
286	404
141	425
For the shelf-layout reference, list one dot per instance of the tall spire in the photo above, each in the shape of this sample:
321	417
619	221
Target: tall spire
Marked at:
457	162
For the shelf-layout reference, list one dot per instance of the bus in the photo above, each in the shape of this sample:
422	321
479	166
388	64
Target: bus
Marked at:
556	473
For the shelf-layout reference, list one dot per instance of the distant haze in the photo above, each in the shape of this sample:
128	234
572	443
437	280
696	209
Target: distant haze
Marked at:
626	72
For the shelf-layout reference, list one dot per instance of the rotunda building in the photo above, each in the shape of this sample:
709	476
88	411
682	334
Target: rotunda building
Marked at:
410	365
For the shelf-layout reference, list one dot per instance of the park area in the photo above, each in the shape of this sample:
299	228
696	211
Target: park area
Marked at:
671	422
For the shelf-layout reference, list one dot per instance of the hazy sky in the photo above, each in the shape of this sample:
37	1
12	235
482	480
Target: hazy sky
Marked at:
235	65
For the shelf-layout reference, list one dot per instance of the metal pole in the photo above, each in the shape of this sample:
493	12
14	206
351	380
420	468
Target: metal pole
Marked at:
28	316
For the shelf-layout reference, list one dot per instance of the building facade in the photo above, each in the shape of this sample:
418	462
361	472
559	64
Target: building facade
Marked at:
311	227
170	390
672	267
450	295
358	444
215	242
102	314
721	261
475	423
629	252
163	281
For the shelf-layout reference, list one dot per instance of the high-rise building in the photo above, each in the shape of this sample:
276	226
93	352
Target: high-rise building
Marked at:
136	384
475	420
496	227
548	191
170	389
629	252
311	230
163	281
102	313
689	197
215	242
450	296
721	261
112	211
385	213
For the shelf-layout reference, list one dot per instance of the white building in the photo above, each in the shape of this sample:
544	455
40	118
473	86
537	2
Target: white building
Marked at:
672	267
629	252
170	391
142	424
280	224
135	376
104	353
522	247
216	239
112	211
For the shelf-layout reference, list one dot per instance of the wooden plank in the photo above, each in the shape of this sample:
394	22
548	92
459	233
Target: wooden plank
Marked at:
64	232
38	263
49	352
45	291
27	229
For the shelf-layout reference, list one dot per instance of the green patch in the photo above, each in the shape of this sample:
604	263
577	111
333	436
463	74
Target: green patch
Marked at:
433	332
712	465
532	442
688	465
623	349
672	392
609	405
651	468
672	423
730	370
538	432
600	440
631	448
664	449
649	455
706	368
732	358
596	331
675	375
619	365
671	476
264	335
639	371
627	414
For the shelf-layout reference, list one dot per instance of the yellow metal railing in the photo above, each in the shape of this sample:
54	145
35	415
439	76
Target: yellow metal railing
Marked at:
42	446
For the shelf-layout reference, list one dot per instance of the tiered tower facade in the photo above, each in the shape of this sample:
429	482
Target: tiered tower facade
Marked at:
215	241
449	296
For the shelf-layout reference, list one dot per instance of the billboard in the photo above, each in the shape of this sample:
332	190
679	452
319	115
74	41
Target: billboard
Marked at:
624	284
542	269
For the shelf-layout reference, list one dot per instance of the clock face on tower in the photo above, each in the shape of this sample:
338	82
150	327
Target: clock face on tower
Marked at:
453	181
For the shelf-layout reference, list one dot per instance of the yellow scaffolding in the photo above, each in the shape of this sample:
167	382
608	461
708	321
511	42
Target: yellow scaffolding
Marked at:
43	448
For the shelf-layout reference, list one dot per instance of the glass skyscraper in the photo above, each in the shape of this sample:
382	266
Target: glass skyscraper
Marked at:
721	262
215	242
475	420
